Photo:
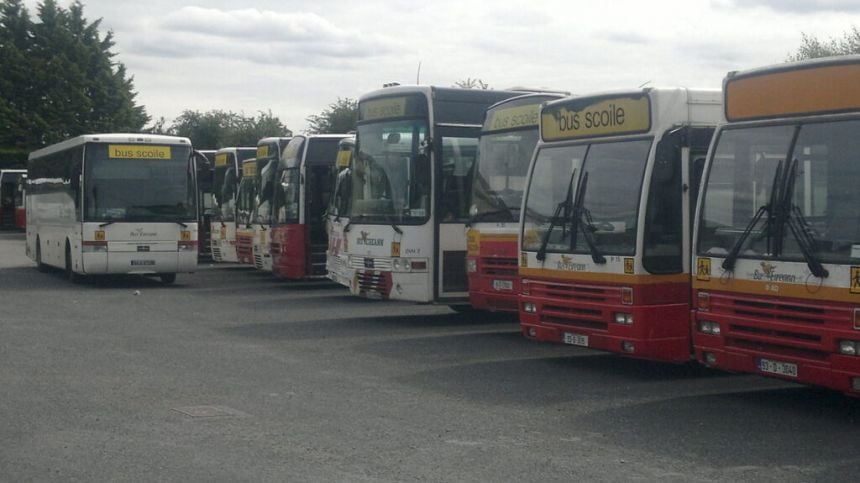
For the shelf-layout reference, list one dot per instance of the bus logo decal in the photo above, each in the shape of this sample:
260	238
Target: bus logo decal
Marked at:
370	242
703	269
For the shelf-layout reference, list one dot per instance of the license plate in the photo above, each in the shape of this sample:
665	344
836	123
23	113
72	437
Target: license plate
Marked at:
576	339
138	263
776	367
506	285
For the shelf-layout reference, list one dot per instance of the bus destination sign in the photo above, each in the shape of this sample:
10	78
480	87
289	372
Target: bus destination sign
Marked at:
136	151
221	159
263	151
383	108
249	168
602	116
513	118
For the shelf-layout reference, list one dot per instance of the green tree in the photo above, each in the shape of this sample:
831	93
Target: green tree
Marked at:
340	117
59	78
216	129
812	47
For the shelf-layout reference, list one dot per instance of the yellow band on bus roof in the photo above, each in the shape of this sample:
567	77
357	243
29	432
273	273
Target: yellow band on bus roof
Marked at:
513	117
138	151
221	159
815	90
602	117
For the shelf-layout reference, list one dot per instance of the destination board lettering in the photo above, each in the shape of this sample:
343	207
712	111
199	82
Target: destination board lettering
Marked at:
606	117
384	108
263	151
132	151
343	158
221	159
249	168
513	118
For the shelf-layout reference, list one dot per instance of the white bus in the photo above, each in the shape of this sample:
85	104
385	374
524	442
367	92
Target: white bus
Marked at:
269	152
113	204
225	181
409	202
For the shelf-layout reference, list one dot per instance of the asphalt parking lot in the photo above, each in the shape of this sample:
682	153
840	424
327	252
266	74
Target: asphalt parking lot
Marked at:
231	375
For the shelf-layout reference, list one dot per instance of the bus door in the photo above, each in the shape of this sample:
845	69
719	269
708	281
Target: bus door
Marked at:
456	150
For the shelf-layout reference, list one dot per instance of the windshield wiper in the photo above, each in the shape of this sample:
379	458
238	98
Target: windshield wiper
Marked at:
772	225
556	216
109	222
799	226
580	212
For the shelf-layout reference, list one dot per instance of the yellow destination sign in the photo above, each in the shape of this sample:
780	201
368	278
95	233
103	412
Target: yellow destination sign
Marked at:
249	168
263	151
513	117
343	158
138	151
384	108
829	88
603	117
221	159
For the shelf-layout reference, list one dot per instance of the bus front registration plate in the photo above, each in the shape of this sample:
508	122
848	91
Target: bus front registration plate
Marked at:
576	339
777	367
503	285
136	263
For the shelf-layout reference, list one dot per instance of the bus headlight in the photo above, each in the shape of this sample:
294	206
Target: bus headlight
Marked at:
848	347
622	318
471	265
530	307
708	327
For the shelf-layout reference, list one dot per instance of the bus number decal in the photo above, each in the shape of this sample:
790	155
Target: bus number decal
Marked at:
703	269
128	151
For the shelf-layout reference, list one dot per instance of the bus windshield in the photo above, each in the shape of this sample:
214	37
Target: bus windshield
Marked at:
390	179
610	205
751	170
502	166
263	210
287	197
118	189
245	200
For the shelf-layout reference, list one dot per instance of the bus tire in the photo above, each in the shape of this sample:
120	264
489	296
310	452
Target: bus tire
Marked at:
40	266
167	278
70	272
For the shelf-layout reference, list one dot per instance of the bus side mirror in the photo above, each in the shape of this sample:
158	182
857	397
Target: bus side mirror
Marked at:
426	147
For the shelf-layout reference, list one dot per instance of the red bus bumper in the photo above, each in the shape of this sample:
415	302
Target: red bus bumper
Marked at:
494	282
586	315
245	248
289	254
793	340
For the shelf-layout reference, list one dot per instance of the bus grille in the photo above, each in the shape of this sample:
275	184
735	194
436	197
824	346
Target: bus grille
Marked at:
369	263
574	304
216	253
374	283
499	266
778	327
258	261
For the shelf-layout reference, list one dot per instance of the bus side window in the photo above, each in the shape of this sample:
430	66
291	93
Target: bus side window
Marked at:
663	220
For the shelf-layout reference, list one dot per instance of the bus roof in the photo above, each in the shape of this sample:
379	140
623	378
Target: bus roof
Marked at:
109	138
628	112
450	104
518	112
819	86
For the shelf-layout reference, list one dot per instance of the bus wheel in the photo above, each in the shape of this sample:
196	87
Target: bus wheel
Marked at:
39	265
167	278
70	273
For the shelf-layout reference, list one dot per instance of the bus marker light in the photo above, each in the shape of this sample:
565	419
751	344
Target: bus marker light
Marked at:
530	308
532	332
627	295
704	299
622	318
471	265
709	358
524	287
419	265
848	347
628	347
855	383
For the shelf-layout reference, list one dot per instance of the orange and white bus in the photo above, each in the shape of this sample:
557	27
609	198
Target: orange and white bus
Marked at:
508	140
113	203
777	246
606	222
225	180
409	202
306	179
269	152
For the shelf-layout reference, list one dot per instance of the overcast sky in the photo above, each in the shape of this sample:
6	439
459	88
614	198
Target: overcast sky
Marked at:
295	57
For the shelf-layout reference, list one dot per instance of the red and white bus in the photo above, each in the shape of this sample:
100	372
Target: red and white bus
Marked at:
246	203
11	200
777	246
269	152
225	180
113	203
305	178
508	140
606	222
336	214
409	202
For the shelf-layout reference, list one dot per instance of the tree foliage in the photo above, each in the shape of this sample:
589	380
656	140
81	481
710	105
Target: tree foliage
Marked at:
469	83
340	117
217	129
812	47
59	78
